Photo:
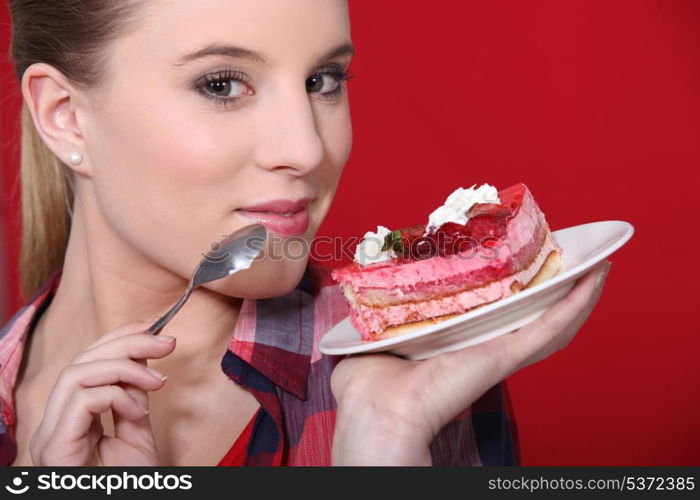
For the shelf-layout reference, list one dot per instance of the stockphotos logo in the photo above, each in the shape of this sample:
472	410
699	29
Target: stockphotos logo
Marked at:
103	482
17	487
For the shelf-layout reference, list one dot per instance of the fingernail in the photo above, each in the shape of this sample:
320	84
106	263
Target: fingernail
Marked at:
157	374
165	338
135	400
603	273
600	278
145	411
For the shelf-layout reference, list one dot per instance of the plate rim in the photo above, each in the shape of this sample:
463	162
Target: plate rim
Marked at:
518	297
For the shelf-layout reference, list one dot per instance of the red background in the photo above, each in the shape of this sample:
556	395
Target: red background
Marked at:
596	106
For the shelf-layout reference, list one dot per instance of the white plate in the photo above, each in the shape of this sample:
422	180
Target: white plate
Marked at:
583	247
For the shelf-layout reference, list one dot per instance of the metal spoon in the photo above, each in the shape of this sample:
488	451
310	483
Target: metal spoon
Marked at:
234	253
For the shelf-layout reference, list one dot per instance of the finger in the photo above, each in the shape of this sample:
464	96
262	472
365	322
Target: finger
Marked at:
458	378
133	345
126	329
126	341
557	326
92	374
568	333
83	408
139	347
139	432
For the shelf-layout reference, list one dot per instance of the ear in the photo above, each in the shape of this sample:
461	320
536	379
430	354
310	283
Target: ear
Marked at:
52	102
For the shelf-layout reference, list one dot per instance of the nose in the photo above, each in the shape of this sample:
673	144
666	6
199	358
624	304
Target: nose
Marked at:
288	139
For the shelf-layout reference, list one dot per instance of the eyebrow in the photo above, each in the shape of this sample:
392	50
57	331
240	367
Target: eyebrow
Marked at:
218	49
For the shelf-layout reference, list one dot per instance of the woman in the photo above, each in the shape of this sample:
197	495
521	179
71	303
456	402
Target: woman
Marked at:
149	128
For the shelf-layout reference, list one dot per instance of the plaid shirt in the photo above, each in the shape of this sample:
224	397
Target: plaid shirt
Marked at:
273	352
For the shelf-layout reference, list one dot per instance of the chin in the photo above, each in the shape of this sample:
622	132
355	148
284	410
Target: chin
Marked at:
263	280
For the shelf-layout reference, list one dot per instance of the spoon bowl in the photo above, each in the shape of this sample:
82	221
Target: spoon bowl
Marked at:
233	253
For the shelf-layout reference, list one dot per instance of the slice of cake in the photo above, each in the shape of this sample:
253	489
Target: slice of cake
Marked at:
481	246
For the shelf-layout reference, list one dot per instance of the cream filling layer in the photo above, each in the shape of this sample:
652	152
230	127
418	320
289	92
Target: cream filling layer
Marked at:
376	319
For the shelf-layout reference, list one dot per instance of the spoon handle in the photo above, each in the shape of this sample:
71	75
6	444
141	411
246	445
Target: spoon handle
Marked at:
163	320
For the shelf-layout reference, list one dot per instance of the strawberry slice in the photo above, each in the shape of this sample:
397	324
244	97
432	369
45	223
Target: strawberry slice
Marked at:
413	244
486	225
489	209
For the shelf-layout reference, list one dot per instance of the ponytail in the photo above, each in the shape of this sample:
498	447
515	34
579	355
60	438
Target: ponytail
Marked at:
72	36
47	209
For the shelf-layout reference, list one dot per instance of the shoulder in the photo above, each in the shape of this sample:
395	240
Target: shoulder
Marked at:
12	342
329	304
13	334
9	332
310	420
20	322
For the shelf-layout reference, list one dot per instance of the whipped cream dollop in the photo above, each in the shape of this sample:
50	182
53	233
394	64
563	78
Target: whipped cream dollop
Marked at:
458	204
369	250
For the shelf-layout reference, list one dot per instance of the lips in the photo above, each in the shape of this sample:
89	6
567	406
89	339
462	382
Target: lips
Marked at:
282	216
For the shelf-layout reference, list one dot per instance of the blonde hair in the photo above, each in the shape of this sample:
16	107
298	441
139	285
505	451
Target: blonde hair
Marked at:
47	209
72	36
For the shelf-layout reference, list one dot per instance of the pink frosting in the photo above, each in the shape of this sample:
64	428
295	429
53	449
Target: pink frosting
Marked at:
396	292
371	321
523	231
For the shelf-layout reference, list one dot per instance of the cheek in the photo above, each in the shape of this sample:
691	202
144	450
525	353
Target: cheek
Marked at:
167	148
157	181
165	179
340	136
337	138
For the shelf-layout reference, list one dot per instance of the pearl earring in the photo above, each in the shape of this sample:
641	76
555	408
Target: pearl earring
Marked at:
76	158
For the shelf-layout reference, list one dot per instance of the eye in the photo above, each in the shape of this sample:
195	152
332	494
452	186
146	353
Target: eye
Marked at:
224	84
327	83
224	87
227	87
321	83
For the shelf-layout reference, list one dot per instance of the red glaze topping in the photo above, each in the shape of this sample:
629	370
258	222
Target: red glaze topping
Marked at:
486	226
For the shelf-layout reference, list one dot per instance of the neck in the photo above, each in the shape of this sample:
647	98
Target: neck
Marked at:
105	283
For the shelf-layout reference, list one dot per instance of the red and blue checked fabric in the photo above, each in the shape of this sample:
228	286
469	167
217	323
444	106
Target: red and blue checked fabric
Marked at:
274	353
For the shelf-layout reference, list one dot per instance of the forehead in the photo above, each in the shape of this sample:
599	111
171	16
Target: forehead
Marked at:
278	29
